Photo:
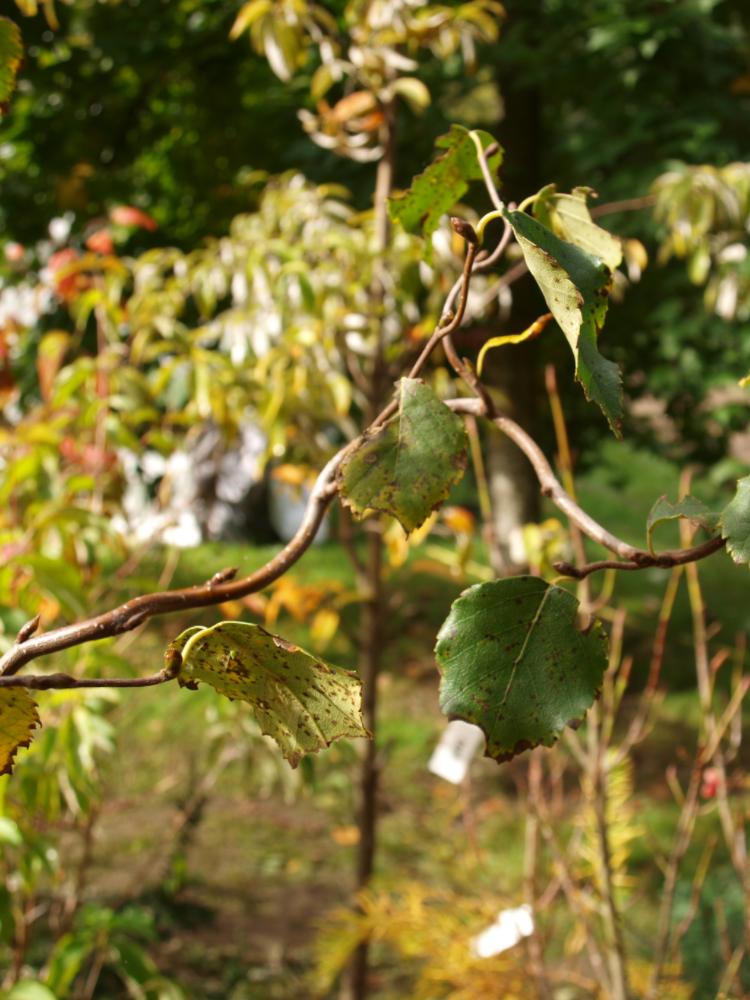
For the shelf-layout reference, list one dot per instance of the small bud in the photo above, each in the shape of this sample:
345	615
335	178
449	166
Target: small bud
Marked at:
222	576
26	631
465	230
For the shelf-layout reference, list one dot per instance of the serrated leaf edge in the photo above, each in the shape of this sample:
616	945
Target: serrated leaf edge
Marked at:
36	723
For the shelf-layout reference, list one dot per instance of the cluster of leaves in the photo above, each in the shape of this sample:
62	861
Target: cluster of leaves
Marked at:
274	322
513	660
706	211
371	60
303	264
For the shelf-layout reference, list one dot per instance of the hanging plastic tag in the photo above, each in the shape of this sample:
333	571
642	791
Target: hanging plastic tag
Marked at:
509	928
457	748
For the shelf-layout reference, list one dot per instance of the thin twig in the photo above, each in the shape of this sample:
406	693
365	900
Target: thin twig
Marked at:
643	560
136	611
624	205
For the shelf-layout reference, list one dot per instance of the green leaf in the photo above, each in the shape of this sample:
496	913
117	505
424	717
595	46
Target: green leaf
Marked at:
18	719
67	958
10	832
300	701
28	989
435	191
568	216
11	55
575	286
689	507
735	523
407	467
514	663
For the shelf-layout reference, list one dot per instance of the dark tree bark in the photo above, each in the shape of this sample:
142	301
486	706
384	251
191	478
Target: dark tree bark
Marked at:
515	371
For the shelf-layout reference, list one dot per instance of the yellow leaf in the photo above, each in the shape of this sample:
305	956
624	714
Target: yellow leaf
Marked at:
248	15
293	475
324	626
352	106
396	544
513	338
345	836
459	519
18	717
232	609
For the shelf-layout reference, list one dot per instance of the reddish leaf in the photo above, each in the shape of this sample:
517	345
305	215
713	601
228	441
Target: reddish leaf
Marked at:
67	284
100	241
14	252
128	215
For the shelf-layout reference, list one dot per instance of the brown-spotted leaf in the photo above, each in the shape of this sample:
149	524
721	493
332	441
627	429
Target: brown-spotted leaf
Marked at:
439	187
407	467
18	719
299	700
514	663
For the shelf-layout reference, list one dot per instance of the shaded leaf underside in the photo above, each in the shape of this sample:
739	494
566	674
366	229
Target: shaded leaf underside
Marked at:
575	286
688	507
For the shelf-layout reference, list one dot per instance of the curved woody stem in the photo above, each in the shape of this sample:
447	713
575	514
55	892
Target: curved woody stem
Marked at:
223	587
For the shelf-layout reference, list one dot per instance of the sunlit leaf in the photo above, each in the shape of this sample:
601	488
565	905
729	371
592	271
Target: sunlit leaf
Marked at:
300	701
568	215
129	215
514	662
688	507
28	989
18	719
413	91
435	191
248	14
408	467
354	105
575	286
30	7
735	523
11	54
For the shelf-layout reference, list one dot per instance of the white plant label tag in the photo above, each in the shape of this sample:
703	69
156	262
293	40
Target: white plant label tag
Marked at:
455	751
509	928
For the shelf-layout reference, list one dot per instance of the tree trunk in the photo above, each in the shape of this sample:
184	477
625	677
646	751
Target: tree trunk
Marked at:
516	370
513	485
